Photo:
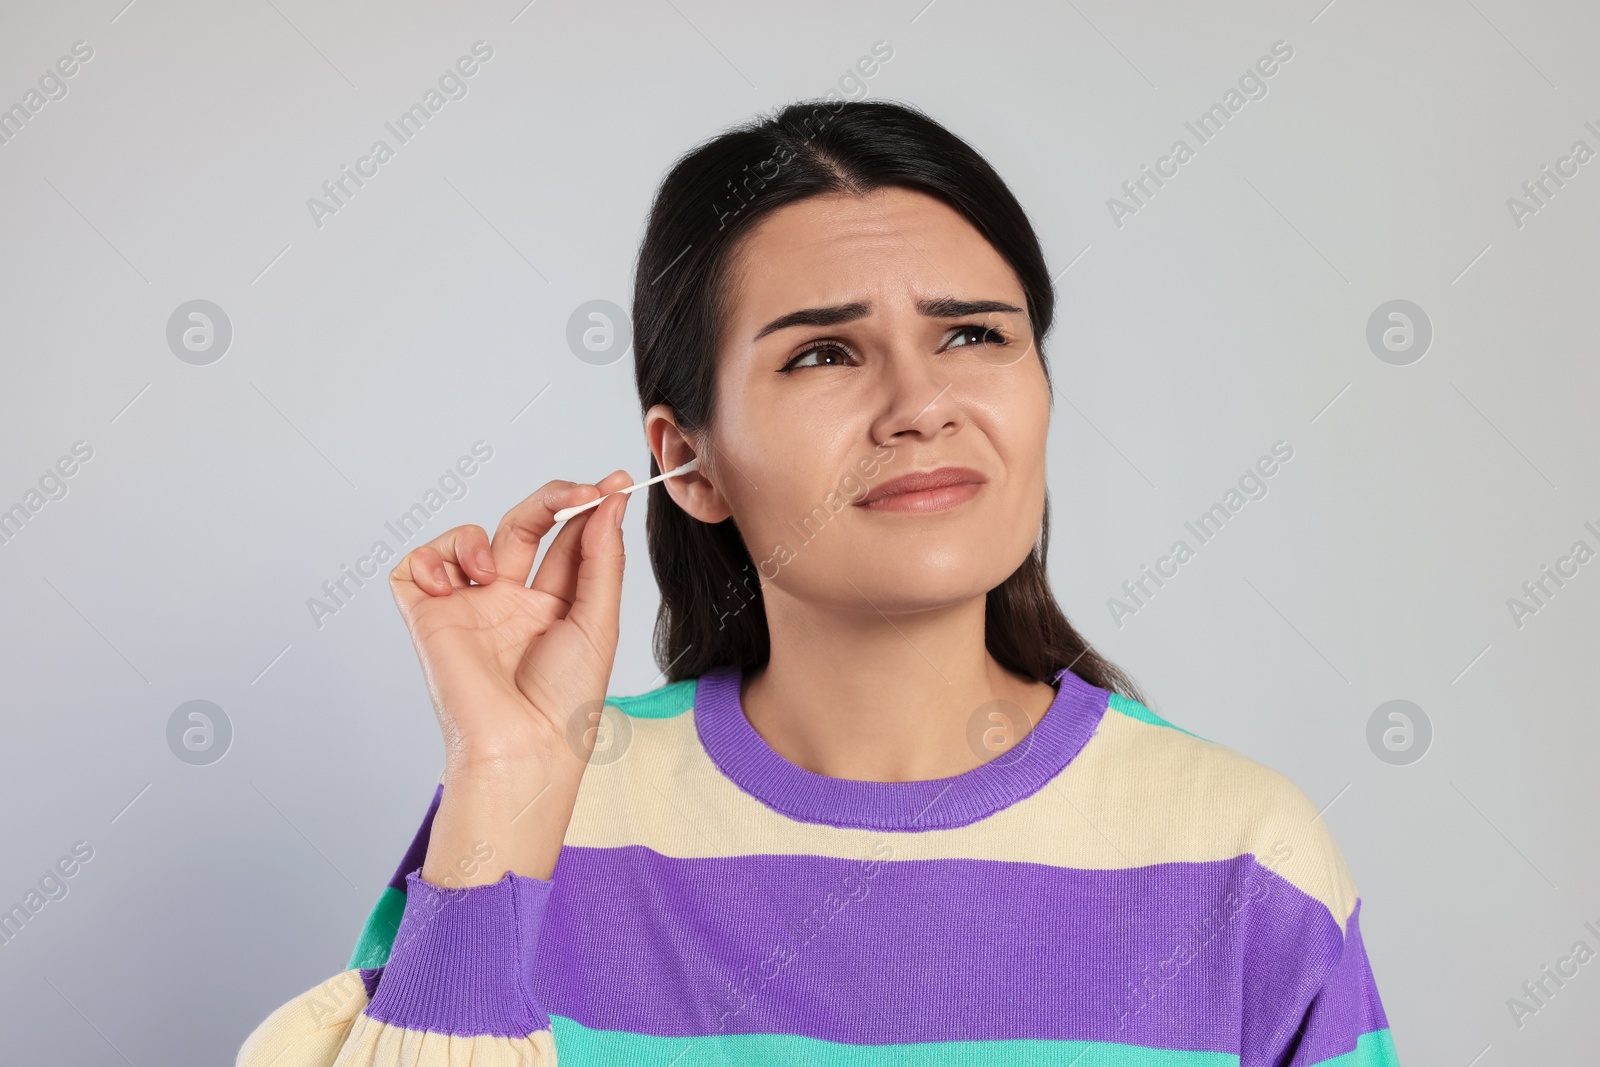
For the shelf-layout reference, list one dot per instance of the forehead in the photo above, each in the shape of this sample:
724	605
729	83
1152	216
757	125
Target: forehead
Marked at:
890	247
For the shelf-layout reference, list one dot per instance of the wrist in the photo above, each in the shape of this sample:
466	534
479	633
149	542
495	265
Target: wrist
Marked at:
490	772
529	751
498	819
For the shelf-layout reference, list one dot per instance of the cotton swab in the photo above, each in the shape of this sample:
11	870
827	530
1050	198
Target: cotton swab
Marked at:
566	513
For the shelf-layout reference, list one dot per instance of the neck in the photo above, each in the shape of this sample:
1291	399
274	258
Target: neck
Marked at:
866	696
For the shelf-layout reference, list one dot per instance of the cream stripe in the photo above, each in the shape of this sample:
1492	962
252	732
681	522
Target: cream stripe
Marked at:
1137	794
375	1044
308	1030
324	1027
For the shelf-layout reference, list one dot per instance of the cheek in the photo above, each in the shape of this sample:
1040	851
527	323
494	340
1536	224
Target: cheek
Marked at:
775	450
1018	509
776	467
1011	409
1012	413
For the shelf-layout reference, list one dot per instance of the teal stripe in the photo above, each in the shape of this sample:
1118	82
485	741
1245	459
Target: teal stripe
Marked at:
1375	1048
383	922
578	1044
668	701
664	702
1135	710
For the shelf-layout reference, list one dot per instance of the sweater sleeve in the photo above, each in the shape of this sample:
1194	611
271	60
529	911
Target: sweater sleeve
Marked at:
439	978
1344	1024
1308	996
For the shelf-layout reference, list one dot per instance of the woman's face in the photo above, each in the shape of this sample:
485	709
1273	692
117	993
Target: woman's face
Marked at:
915	353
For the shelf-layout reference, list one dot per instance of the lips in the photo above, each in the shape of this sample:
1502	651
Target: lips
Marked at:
922	481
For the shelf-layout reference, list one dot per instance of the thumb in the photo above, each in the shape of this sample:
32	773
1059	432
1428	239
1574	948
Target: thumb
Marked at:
597	599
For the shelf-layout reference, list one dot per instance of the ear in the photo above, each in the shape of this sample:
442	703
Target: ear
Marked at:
696	492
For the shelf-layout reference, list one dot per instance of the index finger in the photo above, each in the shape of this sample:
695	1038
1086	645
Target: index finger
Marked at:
516	539
524	526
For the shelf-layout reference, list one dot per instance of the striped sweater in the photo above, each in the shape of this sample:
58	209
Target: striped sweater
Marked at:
1113	891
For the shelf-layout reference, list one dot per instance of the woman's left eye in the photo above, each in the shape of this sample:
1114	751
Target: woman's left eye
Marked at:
980	335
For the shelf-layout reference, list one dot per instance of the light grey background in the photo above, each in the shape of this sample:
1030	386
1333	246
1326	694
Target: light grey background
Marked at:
369	354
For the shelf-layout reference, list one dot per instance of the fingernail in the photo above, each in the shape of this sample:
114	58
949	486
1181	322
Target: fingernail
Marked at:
486	560
622	510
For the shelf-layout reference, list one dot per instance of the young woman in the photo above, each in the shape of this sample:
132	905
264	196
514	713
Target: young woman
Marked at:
889	806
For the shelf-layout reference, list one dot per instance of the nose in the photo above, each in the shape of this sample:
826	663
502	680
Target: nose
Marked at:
916	399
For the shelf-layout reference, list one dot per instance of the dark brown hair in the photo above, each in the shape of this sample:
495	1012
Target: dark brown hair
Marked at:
712	612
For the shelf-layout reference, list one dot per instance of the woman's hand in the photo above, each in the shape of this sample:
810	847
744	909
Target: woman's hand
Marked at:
510	667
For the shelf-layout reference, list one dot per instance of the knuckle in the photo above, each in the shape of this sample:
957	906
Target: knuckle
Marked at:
547	493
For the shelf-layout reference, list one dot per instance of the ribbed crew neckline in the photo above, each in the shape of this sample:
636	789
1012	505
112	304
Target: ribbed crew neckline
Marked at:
744	757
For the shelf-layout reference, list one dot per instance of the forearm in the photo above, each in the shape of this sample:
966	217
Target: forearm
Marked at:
505	816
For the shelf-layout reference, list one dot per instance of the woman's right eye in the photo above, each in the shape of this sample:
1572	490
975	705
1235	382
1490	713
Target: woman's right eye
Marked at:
827	346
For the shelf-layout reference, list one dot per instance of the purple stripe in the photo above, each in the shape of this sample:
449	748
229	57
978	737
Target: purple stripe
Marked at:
1174	955
932	804
460	959
419	844
1346	1007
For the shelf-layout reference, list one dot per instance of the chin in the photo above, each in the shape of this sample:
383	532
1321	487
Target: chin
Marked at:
912	581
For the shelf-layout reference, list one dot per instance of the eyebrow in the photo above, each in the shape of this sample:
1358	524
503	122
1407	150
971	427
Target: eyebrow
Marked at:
941	308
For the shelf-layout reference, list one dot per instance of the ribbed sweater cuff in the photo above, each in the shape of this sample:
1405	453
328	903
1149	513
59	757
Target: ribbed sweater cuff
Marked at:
462	959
